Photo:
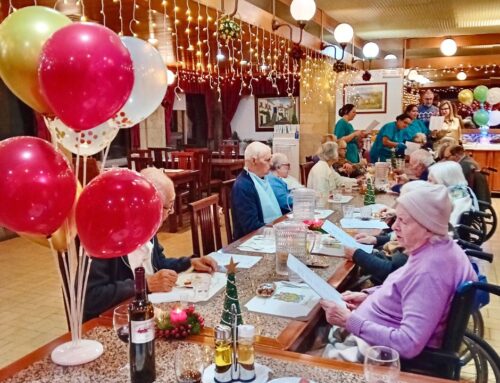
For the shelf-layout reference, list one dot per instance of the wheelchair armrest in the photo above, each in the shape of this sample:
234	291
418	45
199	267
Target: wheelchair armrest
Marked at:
467	245
479	254
469	230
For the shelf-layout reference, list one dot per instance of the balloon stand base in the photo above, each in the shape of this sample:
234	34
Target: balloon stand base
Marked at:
78	352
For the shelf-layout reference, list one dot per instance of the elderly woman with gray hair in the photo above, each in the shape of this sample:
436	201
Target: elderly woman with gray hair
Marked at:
322	177
279	180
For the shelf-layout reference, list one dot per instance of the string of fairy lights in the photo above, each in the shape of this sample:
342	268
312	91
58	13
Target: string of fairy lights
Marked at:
203	55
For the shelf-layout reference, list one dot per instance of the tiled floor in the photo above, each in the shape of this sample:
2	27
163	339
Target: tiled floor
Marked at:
31	306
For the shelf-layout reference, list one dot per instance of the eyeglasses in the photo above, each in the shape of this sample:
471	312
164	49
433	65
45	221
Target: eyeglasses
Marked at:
170	209
285	165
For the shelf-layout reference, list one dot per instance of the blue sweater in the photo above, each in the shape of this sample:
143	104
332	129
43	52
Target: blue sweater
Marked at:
280	189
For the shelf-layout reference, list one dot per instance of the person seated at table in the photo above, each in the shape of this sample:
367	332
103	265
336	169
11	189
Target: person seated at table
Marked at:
324	138
280	162
445	143
253	202
280	166
322	178
344	167
457	153
420	162
392	136
111	281
449	174
409	311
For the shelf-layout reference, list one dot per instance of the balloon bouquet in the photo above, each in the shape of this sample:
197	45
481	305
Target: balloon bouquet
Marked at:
88	83
485	97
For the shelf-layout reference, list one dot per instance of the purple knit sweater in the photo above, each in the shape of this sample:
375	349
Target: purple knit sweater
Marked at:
410	310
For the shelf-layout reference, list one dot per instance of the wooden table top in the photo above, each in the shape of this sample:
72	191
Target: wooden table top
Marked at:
227	161
38	367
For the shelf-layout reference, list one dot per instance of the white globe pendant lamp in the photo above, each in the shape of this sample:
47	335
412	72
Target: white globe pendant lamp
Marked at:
448	47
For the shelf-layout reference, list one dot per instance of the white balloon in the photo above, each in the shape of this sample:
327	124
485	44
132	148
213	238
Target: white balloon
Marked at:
494	118
85	143
493	96
150	83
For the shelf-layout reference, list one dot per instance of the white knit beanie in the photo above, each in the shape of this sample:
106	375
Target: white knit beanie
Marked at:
428	204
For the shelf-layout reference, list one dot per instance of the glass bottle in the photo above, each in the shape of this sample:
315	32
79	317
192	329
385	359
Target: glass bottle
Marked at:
223	353
246	352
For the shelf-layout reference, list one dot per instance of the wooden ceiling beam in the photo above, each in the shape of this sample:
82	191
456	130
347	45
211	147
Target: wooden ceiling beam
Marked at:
453	61
457	83
462	41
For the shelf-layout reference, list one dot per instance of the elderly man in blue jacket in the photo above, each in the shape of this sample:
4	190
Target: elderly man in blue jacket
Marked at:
253	203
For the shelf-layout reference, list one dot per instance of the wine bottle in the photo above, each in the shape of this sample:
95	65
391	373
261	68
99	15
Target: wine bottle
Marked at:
142	333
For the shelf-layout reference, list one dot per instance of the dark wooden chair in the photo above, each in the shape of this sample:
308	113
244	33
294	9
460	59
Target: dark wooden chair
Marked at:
305	168
160	156
229	149
205	221
203	163
139	163
182	160
225	194
91	172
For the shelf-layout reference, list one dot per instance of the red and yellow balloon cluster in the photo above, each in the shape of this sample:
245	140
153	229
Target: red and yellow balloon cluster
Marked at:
88	83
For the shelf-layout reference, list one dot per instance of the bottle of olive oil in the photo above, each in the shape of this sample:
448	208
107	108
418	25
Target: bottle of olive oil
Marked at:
223	354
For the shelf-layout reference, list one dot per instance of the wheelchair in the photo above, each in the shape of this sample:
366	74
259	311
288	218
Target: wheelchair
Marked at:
448	361
477	226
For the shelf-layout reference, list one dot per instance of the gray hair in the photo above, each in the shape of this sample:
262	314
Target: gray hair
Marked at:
422	156
447	173
256	150
160	181
277	160
329	151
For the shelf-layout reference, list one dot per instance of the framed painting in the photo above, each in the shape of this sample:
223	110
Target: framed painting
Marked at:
270	111
368	98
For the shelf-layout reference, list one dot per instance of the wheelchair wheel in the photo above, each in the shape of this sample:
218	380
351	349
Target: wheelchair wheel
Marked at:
484	363
490	222
475	326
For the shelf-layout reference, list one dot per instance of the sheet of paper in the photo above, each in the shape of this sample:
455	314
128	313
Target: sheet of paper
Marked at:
436	123
315	282
355	223
259	244
289	300
344	238
339	198
411	147
217	283
372	125
318	213
244	261
328	246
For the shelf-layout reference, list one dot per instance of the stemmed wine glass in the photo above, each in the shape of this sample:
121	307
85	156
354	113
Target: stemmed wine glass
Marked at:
381	365
120	325
189	364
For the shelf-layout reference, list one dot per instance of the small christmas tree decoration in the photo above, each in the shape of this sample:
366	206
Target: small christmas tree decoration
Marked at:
370	193
231	297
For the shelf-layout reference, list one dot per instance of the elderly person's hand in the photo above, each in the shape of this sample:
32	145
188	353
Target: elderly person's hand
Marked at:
387	213
349	252
204	264
402	179
162	281
335	314
365	238
353	299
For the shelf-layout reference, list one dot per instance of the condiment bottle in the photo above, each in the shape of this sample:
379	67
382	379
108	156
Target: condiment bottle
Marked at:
246	353
223	354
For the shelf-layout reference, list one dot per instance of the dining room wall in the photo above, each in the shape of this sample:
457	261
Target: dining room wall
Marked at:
243	121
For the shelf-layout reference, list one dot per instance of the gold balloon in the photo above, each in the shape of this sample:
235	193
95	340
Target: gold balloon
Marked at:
22	36
466	97
59	236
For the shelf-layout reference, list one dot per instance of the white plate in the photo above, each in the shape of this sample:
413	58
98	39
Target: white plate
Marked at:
288	380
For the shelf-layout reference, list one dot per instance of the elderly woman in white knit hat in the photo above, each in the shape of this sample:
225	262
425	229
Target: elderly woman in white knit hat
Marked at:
410	309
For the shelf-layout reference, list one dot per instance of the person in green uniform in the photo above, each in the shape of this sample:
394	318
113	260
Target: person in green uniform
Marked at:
344	130
416	126
391	135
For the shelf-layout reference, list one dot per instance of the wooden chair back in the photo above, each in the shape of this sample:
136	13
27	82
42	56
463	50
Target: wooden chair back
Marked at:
160	156
305	168
139	163
182	160
140	153
205	221
225	191
229	149
91	172
203	163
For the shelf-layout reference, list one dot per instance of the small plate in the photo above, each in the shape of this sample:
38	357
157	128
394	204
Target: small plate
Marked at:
266	290
292	379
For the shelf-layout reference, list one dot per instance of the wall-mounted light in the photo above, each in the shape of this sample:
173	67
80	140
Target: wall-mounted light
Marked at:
370	50
343	33
448	47
461	75
302	11
390	57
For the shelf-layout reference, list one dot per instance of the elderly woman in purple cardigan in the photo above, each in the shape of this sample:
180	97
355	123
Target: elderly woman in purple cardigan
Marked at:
409	311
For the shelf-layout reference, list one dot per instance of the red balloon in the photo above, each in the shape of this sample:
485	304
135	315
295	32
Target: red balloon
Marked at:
117	212
37	186
86	74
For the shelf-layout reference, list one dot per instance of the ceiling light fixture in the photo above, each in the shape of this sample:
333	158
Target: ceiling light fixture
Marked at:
343	33
461	75
302	11
390	57
448	47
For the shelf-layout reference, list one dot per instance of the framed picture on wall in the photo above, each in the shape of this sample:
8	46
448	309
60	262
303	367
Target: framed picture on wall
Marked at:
368	98
270	111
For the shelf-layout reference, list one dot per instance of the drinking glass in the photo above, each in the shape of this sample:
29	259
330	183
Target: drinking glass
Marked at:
365	212
190	362
348	211
120	325
381	365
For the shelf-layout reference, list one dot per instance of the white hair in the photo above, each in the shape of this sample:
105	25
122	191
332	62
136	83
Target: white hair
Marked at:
447	173
256	150
160	181
422	156
277	160
329	151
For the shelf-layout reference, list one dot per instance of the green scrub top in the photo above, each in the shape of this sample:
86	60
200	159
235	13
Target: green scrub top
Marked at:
342	129
381	153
